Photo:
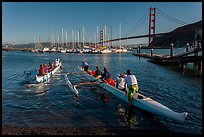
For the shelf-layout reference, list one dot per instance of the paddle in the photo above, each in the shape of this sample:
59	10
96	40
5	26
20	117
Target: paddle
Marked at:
29	72
96	79
75	72
87	83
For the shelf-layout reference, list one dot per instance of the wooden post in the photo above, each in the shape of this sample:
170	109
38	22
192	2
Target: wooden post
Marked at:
183	66
171	51
151	52
187	45
139	51
200	68
196	54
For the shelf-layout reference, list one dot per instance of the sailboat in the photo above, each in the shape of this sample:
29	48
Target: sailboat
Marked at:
37	44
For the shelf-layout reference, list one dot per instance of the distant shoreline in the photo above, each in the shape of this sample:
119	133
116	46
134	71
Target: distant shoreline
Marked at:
17	49
12	130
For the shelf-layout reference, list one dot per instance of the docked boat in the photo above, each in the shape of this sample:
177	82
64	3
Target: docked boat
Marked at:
48	75
106	51
141	101
63	51
45	50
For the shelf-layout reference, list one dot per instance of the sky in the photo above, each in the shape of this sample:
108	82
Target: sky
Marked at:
21	21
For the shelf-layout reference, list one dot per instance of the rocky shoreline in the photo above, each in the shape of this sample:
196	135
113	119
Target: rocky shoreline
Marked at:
12	130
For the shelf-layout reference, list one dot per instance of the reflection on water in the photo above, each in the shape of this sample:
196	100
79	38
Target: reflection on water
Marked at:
128	115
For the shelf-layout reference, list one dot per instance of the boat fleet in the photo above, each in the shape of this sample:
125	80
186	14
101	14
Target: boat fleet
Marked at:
84	50
140	101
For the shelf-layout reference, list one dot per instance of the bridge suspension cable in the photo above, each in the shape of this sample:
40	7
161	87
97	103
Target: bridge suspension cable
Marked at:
136	26
170	17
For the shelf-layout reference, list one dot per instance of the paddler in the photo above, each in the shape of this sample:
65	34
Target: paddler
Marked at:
50	67
97	72
45	69
41	70
132	85
120	82
57	62
85	66
106	77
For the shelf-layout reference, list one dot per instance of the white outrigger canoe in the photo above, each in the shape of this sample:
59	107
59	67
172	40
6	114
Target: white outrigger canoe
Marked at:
142	102
48	75
72	87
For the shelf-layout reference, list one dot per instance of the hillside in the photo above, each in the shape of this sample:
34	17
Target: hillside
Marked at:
180	36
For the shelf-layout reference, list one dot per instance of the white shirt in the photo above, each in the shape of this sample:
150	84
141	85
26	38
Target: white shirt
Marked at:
84	64
121	82
56	63
130	80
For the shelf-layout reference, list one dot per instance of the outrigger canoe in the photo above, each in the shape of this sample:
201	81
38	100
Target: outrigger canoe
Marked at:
72	87
141	101
48	75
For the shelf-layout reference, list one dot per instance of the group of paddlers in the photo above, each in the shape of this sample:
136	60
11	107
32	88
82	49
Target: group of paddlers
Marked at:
105	76
127	82
45	69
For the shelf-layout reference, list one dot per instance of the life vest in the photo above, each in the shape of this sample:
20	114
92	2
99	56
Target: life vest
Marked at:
45	69
42	71
110	81
92	73
49	69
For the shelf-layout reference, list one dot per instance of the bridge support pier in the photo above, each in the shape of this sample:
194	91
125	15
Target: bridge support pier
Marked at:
139	51
171	51
151	52
198	68
183	66
196	54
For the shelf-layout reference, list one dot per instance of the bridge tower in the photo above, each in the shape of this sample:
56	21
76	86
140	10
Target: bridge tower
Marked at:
152	24
101	38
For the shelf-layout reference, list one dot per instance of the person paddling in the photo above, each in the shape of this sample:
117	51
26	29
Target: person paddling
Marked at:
57	62
132	85
50	67
120	81
106	77
45	69
85	67
97	73
41	70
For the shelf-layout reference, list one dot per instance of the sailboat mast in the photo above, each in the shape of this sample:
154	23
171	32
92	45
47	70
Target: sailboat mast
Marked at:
77	39
72	39
58	40
120	35
97	34
83	36
66	38
111	35
62	38
105	35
